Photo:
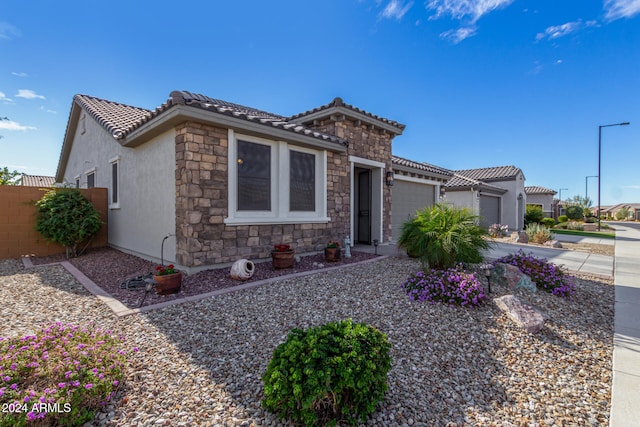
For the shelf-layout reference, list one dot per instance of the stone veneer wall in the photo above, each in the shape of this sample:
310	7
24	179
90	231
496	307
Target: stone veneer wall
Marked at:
367	142
203	239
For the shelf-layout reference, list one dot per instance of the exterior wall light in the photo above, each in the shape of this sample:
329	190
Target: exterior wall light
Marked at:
389	178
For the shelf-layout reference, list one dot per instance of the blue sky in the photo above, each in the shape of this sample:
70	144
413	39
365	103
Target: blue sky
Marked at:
478	83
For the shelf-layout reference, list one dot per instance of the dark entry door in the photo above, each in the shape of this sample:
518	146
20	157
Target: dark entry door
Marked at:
364	207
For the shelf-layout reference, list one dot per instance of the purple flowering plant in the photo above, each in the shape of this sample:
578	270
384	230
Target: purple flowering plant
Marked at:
73	369
452	286
546	275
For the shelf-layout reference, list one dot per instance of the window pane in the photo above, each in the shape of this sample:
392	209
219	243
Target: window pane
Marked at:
91	180
302	181
114	183
254	176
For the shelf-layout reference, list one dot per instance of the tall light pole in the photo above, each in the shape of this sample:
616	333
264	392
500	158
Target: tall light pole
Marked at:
599	157
586	192
560	198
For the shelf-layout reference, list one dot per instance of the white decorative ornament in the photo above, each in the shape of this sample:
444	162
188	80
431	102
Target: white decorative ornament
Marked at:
242	269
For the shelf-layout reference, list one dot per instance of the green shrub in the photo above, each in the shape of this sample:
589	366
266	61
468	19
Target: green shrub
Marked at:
74	370
574	225
591	220
322	375
442	236
563	218
538	233
574	212
561	225
622	214
533	214
66	217
548	222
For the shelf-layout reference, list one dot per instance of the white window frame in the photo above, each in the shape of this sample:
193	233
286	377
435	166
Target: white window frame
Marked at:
91	171
279	213
114	161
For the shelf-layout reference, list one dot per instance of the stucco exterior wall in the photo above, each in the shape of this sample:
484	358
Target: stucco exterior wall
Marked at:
463	198
546	200
146	209
513	210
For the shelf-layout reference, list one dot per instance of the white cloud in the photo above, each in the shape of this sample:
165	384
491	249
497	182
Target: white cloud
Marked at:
396	9
456	36
616	9
19	74
11	125
46	110
459	9
28	94
8	31
556	31
4	99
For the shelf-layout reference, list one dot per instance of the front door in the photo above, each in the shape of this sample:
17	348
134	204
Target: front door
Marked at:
364	207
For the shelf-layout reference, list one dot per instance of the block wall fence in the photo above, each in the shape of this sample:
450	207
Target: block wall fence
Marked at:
18	236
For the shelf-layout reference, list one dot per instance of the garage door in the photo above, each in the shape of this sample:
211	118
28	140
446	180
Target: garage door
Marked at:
408	197
489	211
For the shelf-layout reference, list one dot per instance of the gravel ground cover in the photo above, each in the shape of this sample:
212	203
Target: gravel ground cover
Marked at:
200	364
108	268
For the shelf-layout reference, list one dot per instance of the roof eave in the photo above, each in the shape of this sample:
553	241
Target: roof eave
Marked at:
341	110
180	113
67	142
409	169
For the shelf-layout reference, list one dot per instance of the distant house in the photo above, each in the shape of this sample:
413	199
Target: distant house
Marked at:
542	197
611	212
229	181
496	194
36	181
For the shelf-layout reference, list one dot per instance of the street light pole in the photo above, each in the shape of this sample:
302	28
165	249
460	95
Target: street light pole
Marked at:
586	192
600	156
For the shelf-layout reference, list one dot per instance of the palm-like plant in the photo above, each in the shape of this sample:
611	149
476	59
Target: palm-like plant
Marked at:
442	236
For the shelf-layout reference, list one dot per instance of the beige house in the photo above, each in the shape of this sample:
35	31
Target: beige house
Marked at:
226	181
542	197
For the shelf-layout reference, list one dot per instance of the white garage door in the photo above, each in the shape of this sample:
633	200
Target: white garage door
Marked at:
408	197
489	211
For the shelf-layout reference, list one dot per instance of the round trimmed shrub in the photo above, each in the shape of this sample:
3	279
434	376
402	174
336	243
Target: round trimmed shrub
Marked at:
563	218
329	373
533	214
574	212
548	222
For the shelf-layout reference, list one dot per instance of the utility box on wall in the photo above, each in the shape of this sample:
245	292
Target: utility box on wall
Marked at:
18	236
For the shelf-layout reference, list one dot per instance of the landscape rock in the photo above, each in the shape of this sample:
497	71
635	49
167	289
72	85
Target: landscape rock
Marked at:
524	315
520	237
511	276
553	243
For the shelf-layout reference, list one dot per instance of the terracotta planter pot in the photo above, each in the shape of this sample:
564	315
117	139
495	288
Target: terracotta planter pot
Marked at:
283	259
332	254
168	283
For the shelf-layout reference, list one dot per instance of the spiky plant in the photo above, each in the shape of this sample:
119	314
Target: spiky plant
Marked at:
444	235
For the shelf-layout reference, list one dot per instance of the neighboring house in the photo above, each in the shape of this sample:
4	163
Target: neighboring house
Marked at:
542	197
496	194
36	181
417	185
230	181
610	212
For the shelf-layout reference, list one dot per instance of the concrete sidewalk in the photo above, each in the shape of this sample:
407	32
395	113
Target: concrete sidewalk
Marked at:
625	393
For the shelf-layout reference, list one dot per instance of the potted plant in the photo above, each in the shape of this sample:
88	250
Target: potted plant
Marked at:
332	252
168	280
282	256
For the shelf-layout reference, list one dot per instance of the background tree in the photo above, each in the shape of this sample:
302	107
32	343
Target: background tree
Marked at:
622	214
8	177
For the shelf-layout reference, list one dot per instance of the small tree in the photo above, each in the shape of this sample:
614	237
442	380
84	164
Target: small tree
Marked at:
622	214
442	236
66	217
533	215
8	177
574	212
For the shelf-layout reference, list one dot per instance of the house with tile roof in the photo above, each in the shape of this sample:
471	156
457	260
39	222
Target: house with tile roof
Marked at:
36	181
543	197
226	181
496	194
612	212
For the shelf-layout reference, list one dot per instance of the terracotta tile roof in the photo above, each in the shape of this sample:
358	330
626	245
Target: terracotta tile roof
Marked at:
422	166
539	190
37	181
120	119
498	173
338	102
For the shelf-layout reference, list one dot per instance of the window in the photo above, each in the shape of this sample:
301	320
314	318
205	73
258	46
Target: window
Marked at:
115	183
91	179
77	178
273	182
254	176
302	181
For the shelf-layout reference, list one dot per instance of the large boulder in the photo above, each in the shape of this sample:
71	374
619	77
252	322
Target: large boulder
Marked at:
511	276
524	315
